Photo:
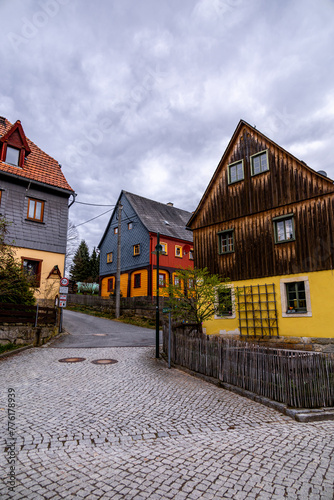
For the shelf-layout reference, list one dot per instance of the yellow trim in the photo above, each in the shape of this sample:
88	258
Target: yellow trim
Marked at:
178	247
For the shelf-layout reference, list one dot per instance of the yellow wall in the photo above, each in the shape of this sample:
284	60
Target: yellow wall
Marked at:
49	287
124	285
142	291
320	324
162	291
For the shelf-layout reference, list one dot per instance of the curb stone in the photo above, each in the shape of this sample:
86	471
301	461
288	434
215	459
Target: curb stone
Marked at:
302	415
15	351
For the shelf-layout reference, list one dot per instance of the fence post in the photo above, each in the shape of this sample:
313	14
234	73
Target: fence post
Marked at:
36	317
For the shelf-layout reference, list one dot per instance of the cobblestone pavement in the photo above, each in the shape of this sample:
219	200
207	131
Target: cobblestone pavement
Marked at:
136	430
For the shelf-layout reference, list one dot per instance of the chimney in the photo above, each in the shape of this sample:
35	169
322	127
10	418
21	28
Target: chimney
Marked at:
170	204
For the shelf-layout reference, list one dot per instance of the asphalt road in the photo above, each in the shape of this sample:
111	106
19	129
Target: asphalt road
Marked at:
90	331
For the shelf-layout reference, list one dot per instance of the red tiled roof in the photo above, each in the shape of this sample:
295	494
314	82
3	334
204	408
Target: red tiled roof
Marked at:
38	166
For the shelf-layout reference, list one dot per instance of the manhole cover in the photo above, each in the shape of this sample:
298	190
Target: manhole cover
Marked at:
105	361
71	360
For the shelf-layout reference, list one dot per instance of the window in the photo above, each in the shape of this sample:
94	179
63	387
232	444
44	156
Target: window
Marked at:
110	284
259	163
137	280
163	248
190	283
109	257
32	268
35	210
284	228
136	249
224	302
226	241
191	254
130	225
178	251
12	156
295	297
115	230
236	172
162	280
177	281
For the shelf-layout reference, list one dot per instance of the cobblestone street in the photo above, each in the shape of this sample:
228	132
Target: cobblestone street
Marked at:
136	430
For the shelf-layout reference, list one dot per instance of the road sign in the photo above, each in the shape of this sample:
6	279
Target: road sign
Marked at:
63	289
64	282
62	303
166	310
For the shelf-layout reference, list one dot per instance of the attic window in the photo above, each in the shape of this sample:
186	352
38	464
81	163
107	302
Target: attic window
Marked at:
236	172
259	162
12	156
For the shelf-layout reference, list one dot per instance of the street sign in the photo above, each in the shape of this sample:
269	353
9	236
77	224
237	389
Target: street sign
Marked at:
62	303
166	310
64	282
63	289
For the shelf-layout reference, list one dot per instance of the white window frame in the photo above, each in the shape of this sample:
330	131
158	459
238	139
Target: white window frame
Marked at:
284	298
234	164
234	314
265	151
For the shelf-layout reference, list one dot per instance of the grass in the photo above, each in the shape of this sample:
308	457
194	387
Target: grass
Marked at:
10	347
132	320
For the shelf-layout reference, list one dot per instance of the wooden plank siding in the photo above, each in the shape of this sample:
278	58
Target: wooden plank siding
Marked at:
255	252
249	206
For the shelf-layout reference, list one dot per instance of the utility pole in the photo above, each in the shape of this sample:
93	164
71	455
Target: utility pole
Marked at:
118	271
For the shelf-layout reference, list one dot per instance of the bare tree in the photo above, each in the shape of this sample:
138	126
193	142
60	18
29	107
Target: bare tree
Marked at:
71	246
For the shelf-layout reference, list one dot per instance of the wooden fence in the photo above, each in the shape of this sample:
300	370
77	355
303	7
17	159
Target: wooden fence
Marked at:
296	378
34	315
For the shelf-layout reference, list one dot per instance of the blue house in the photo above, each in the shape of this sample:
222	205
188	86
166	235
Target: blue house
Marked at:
141	220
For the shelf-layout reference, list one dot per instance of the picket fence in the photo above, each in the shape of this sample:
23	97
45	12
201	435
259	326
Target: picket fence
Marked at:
299	379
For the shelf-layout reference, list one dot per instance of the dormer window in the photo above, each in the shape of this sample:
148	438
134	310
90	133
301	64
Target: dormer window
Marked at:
12	156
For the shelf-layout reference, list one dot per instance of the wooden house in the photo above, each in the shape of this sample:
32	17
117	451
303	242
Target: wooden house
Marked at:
34	198
266	221
141	220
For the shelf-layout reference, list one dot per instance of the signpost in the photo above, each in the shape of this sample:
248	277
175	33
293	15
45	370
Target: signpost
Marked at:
63	291
169	311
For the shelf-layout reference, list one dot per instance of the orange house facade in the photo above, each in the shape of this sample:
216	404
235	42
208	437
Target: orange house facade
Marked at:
141	221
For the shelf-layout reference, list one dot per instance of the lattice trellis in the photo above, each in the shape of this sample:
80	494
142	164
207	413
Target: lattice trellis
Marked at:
257	310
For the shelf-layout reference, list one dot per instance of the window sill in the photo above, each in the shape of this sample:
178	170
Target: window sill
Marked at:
37	221
226	253
285	241
229	316
259	173
230	183
297	315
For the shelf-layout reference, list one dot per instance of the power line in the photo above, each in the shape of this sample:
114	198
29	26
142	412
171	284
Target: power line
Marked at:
93	204
81	224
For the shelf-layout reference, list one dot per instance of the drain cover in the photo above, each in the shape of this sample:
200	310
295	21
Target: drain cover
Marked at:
71	360
105	361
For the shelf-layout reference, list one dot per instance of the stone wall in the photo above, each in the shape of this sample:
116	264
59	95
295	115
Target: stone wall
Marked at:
316	344
26	334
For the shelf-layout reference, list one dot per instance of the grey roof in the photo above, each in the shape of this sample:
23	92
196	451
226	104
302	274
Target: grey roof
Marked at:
161	218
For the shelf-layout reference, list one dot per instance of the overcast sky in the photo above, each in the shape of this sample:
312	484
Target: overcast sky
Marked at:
144	95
